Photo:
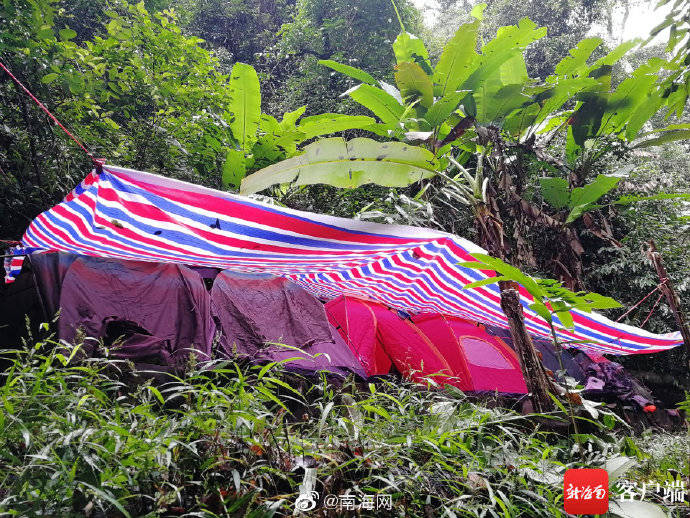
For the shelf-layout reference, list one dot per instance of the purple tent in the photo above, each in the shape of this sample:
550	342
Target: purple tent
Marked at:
271	318
157	313
164	308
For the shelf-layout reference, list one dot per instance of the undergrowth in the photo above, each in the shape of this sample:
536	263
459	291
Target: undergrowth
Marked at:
79	437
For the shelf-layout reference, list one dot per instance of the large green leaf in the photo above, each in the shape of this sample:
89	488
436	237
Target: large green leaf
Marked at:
631	95
586	121
582	198
495	102
409	48
616	54
443	107
353	72
553	98
245	107
514	70
645	110
334	161
455	64
414	84
509	42
382	104
290	118
668	136
576	63
277	139
593	190
332	122
520	120
268	124
555	191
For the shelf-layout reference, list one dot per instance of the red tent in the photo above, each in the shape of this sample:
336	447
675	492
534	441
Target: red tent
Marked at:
447	349
484	362
357	322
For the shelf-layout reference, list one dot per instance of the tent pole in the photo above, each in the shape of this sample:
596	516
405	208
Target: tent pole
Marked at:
671	296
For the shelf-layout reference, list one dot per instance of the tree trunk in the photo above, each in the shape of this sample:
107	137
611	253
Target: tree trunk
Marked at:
671	296
532	368
490	230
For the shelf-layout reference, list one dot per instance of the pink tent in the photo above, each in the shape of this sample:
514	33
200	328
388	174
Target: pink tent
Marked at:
414	354
448	350
357	322
483	362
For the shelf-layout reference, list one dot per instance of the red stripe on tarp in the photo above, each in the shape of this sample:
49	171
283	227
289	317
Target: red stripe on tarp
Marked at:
247	212
153	213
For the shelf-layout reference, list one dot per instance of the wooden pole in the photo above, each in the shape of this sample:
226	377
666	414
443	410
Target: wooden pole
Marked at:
490	229
532	368
671	296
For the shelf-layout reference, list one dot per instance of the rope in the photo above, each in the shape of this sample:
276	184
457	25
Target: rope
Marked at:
640	302
98	161
652	310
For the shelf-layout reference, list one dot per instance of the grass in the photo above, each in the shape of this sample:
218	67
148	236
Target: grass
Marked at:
78	437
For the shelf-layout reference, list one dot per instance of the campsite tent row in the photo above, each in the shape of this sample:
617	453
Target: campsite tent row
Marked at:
156	314
395	294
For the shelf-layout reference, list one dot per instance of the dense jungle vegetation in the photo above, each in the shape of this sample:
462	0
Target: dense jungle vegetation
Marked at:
529	128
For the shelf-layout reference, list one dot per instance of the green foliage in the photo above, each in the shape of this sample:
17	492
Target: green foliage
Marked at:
550	296
82	434
329	30
555	191
234	168
480	102
382	104
348	164
241	30
454	64
408	48
353	72
492	86
414	84
567	23
149	97
139	92
581	199
244	110
676	87
326	123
